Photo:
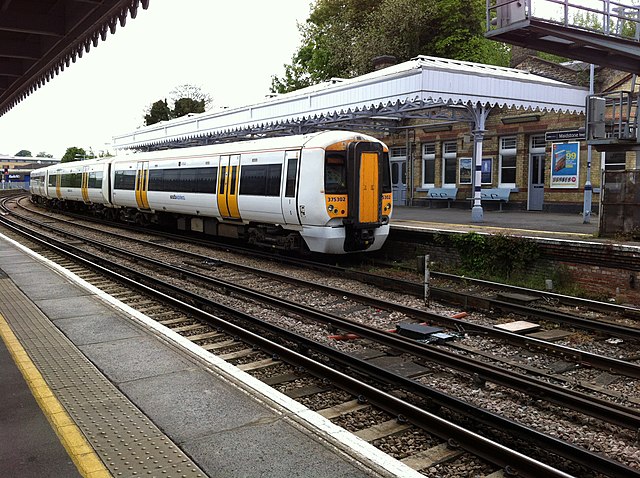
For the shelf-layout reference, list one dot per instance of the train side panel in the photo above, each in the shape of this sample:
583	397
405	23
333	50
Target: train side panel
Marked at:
261	187
184	186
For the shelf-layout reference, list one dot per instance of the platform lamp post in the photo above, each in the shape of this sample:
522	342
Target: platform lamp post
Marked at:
588	190
480	114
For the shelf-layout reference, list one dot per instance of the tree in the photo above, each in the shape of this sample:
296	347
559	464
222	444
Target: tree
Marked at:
341	37
185	99
159	111
185	106
42	154
74	154
193	92
23	153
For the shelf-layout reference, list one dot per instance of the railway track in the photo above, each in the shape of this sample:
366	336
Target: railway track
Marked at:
400	345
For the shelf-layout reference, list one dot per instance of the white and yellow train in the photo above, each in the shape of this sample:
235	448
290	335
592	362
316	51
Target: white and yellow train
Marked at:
329	191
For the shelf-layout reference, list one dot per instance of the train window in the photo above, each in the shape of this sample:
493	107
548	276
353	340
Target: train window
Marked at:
192	180
125	179
386	174
234	176
71	180
52	180
335	173
274	174
260	180
292	169
223	173
95	180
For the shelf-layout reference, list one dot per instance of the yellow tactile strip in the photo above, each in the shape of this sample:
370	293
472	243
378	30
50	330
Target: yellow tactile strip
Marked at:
123	440
82	454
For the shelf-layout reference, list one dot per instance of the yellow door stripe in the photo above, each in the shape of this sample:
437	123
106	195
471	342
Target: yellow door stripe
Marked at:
84	187
80	451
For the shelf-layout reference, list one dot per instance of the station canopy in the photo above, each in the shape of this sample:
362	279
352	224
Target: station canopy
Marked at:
425	87
39	38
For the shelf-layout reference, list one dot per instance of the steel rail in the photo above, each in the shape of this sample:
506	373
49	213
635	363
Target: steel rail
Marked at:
392	284
470	441
582	357
602	409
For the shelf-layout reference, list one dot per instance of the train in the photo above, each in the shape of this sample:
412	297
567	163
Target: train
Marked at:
327	192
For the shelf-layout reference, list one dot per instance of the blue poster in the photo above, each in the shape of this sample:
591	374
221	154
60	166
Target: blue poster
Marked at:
565	165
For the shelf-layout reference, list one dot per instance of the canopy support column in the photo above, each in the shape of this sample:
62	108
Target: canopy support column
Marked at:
480	114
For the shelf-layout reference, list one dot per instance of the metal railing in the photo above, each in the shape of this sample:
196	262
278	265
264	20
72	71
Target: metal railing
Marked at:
14	185
608	17
612	116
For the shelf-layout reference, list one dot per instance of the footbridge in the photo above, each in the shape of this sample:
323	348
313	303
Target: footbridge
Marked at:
603	32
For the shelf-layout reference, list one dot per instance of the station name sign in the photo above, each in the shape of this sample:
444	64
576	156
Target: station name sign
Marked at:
574	134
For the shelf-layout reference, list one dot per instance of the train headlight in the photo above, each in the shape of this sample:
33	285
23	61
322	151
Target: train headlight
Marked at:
330	208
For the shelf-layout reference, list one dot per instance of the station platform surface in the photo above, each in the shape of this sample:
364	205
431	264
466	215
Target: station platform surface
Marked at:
517	222
92	388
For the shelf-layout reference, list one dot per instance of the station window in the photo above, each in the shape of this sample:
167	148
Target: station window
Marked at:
508	153
615	161
449	163
428	164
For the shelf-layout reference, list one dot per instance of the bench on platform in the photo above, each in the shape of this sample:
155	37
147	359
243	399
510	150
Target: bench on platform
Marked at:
449	194
495	194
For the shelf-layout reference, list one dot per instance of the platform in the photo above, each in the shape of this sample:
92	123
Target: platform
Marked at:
516	222
118	394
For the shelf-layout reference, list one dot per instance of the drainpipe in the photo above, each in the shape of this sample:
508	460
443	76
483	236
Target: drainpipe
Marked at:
588	190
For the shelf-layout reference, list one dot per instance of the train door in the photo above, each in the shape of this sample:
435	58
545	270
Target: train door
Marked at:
290	198
399	175
369	188
365	161
229	172
84	185
142	184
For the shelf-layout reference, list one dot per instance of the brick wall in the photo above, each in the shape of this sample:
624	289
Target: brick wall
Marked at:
603	271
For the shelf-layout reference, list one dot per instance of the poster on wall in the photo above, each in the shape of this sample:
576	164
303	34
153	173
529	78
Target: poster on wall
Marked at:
565	165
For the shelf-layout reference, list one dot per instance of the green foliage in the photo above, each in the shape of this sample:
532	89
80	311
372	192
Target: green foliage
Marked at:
494	255
159	111
23	153
185	99
43	154
341	37
185	106
617	26
76	154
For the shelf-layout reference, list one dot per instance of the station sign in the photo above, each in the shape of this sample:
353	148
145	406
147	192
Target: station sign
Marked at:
568	135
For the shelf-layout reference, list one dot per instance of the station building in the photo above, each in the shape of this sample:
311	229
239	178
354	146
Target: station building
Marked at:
530	119
524	152
16	170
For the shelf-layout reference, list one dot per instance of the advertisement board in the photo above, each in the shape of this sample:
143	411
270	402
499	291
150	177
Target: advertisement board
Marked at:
565	165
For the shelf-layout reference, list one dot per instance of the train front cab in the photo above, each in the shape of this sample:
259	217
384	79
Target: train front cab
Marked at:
358	195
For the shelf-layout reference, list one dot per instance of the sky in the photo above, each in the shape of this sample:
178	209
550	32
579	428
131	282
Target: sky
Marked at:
230	49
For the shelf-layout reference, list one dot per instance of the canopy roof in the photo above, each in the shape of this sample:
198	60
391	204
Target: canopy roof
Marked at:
39	38
421	87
